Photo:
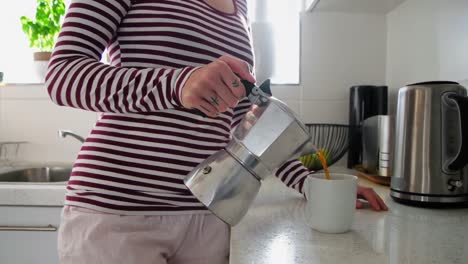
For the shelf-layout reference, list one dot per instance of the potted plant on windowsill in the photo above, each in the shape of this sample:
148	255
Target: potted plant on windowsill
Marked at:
42	32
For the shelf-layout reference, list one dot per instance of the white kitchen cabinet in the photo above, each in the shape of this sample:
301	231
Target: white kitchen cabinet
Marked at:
33	235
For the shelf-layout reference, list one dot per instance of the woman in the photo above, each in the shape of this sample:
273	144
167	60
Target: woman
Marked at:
126	201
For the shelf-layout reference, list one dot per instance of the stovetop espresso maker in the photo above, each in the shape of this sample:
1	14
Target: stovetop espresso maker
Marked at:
269	135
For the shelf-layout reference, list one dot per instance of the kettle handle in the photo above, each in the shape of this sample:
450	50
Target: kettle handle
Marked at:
248	86
462	158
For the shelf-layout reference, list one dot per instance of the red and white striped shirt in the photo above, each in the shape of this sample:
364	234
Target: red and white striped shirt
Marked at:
136	157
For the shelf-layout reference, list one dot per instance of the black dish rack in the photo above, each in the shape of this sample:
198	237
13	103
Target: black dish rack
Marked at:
332	137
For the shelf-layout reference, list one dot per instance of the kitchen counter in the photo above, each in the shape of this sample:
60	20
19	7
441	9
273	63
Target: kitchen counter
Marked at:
275	231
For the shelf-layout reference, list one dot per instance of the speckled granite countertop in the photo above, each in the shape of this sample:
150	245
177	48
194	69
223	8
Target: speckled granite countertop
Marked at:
274	231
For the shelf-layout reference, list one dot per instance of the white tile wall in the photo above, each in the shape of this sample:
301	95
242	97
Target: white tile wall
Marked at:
289	94
325	111
286	92
427	40
23	92
464	82
27	114
340	50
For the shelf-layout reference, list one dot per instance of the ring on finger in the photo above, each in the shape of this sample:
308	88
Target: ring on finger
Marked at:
235	83
214	100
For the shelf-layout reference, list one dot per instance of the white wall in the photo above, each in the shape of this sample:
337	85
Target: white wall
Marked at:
339	50
427	40
419	40
27	114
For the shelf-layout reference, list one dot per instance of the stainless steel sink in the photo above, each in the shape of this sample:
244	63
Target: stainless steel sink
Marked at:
46	174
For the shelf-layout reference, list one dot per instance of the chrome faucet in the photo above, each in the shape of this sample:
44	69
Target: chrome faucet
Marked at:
63	133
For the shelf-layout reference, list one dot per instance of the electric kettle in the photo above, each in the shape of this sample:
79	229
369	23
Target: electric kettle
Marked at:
431	145
270	133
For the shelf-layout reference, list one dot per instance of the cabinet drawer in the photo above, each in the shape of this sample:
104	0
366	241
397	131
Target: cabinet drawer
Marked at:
28	234
28	247
29	216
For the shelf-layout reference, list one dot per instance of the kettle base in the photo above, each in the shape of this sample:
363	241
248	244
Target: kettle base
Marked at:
430	201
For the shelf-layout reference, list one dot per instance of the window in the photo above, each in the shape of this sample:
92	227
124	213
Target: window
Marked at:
16	57
275	27
276	36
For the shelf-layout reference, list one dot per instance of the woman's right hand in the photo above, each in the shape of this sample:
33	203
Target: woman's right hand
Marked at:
216	87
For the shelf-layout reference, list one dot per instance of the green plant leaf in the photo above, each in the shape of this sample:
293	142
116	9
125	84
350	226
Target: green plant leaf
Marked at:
42	32
58	10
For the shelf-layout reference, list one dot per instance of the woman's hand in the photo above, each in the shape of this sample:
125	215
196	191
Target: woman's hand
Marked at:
216	87
372	198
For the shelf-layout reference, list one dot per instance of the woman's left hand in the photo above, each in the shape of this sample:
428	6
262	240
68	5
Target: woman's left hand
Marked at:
366	193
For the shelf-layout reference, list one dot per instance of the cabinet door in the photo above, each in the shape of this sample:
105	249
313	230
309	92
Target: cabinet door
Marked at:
28	235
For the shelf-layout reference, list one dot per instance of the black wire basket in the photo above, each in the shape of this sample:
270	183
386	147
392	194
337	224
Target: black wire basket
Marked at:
332	139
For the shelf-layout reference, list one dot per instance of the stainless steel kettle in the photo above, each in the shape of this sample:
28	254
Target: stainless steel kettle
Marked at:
269	134
431	145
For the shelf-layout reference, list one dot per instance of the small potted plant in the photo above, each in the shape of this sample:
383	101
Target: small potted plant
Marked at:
42	31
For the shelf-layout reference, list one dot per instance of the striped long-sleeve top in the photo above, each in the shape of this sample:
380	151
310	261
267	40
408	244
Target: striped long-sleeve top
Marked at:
136	157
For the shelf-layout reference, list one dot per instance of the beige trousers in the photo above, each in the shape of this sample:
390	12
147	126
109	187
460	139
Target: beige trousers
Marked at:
88	236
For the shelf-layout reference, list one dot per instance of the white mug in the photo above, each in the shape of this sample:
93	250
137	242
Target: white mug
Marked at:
331	203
